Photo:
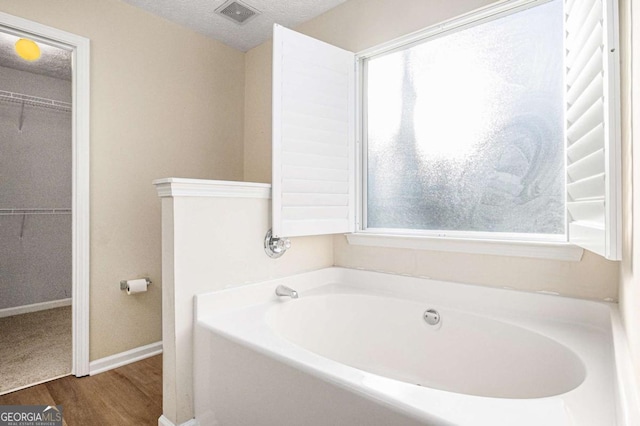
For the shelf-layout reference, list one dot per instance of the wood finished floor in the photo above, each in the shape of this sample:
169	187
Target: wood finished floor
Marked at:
128	395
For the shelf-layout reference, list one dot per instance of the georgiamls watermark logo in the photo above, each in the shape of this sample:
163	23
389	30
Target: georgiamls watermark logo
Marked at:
30	415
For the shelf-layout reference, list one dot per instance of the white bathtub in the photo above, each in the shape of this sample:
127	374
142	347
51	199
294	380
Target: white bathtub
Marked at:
354	349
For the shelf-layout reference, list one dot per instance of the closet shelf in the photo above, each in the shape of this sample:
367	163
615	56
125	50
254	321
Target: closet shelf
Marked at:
20	98
22	212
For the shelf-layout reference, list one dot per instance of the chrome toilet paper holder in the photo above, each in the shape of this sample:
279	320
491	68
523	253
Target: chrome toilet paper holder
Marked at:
123	283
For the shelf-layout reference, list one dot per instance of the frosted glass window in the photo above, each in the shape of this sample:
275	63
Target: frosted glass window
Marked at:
465	132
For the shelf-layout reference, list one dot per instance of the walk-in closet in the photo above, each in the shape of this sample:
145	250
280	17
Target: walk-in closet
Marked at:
35	212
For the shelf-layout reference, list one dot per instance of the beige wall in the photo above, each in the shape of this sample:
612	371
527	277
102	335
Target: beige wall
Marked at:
257	113
630	278
357	25
165	101
591	278
211	243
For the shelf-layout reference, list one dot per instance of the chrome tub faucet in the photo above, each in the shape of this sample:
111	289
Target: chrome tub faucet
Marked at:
283	290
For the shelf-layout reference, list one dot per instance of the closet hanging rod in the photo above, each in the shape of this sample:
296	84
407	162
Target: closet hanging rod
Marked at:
20	98
17	212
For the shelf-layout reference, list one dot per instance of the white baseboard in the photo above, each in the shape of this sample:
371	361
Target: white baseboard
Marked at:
8	312
123	358
163	421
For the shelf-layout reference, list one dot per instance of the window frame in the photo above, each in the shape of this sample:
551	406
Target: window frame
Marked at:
595	214
512	244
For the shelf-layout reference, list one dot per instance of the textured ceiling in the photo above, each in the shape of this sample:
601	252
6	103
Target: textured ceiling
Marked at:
200	16
195	14
54	62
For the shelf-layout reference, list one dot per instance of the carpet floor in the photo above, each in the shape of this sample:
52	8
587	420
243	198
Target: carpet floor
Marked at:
34	347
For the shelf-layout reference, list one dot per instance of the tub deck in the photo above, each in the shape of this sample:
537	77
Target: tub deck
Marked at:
247	371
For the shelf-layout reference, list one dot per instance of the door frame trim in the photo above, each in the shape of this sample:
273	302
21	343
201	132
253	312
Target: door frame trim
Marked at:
79	46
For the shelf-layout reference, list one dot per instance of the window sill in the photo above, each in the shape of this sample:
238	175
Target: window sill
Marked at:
538	250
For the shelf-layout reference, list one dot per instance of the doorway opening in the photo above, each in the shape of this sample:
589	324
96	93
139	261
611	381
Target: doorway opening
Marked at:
44	203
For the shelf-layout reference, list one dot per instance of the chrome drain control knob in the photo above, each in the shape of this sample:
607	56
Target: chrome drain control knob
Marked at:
431	316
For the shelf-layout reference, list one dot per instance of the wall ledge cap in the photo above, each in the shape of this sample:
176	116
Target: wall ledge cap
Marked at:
183	187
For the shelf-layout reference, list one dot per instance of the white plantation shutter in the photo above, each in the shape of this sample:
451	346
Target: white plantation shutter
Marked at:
314	132
593	132
313	136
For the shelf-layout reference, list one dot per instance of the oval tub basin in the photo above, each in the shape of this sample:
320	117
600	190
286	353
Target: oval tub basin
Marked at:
464	353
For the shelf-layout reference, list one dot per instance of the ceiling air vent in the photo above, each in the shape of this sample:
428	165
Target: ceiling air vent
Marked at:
238	12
